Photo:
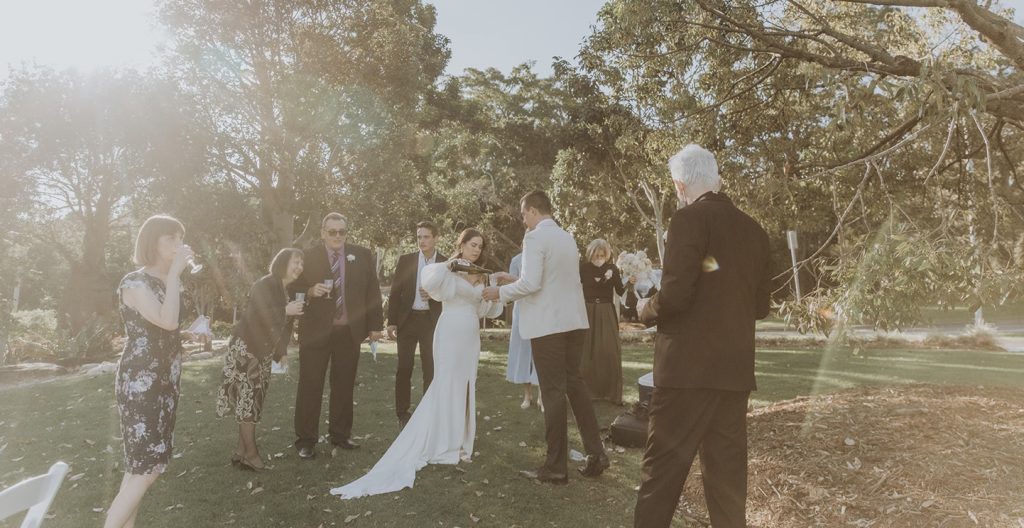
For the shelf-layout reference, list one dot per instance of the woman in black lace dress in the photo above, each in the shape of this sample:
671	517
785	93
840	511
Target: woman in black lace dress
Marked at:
148	375
261	336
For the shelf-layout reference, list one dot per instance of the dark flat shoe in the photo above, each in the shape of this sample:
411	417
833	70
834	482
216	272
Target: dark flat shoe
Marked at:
247	466
545	476
596	464
347	444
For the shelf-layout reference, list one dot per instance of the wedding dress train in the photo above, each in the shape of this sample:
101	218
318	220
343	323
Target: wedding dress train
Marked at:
443	426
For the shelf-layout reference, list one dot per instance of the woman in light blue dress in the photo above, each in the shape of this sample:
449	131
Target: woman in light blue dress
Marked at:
520	356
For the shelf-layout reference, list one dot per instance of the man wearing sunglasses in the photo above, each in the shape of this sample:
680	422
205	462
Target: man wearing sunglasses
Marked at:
343	308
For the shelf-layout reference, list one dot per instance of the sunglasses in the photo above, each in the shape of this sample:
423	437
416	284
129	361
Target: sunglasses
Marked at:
337	232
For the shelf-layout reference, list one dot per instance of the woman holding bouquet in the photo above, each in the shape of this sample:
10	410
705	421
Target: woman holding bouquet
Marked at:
601	365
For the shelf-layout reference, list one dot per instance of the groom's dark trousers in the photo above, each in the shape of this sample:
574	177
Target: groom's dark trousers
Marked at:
557	360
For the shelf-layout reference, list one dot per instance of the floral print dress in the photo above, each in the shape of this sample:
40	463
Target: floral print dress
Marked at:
259	334
148	383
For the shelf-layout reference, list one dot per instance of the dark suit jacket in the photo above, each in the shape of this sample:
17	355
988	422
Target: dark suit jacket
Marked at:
263	324
362	295
715	285
403	289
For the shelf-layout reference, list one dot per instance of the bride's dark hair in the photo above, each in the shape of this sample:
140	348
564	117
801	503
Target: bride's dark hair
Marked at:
465	236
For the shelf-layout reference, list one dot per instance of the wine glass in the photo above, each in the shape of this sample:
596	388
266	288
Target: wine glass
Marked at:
330	287
193	266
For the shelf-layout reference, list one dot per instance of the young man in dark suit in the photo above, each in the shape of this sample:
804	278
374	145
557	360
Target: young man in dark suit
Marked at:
714	287
337	319
412	315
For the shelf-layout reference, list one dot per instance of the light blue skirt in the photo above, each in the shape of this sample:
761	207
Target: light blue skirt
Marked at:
520	355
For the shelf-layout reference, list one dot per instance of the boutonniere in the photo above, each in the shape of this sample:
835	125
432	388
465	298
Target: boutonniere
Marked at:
350	258
608	274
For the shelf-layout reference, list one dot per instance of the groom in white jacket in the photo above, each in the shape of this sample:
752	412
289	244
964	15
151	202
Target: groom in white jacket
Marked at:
553	316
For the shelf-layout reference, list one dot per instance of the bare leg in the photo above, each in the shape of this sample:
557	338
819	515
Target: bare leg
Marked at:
527	397
240	448
125	506
250	455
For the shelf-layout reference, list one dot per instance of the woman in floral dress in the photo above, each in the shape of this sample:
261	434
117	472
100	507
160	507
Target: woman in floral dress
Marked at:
148	375
260	337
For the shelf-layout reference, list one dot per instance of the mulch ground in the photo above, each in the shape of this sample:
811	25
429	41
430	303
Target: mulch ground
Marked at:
917	455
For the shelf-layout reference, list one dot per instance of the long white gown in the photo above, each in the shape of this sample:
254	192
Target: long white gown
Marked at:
443	426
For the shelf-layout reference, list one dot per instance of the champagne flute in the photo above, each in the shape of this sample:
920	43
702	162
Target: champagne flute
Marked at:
330	287
301	297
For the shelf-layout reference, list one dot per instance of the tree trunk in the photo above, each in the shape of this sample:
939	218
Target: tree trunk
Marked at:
88	292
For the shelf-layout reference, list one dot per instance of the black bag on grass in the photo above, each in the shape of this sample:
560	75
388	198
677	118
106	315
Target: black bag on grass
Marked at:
630	428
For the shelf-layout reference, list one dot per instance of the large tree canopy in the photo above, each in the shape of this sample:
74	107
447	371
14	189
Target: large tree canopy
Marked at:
888	134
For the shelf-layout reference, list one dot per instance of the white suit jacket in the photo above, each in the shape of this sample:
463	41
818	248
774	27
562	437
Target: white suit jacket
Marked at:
549	290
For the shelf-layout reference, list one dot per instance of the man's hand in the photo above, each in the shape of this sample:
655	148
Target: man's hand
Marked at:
392	332
376	336
503	278
424	295
492	293
318	290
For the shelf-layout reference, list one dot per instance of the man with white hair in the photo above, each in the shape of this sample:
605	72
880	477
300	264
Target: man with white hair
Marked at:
714	287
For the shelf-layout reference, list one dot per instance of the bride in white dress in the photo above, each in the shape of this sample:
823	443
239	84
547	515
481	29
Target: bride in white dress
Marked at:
443	427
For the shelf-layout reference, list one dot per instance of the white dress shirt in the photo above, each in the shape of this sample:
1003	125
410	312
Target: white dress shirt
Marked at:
417	301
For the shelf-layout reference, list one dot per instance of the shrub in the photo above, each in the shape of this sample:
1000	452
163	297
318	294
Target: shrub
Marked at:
34	337
31	335
93	342
221	329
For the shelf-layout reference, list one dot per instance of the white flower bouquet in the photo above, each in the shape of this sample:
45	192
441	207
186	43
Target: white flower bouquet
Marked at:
638	265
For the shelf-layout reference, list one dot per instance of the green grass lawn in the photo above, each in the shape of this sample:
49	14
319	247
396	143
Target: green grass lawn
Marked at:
75	420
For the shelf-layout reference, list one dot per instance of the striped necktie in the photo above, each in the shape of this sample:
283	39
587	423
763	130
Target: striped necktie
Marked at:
339	282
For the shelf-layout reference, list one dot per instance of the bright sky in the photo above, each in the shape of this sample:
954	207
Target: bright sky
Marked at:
503	34
95	33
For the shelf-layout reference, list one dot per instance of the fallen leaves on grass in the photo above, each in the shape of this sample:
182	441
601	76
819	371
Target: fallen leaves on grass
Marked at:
917	455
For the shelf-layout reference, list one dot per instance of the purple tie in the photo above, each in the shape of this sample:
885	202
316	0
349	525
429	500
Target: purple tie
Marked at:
339	281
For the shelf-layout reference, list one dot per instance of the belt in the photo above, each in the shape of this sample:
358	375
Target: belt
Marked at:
420	312
599	301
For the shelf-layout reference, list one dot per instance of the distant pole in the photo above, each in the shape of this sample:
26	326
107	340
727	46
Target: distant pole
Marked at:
979	315
17	296
793	245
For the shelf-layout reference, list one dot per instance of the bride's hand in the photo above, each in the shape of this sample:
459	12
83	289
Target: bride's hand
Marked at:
457	260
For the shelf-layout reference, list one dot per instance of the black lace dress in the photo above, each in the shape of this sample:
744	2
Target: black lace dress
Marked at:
147	384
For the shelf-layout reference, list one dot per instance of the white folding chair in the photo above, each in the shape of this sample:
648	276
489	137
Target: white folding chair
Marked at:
34	494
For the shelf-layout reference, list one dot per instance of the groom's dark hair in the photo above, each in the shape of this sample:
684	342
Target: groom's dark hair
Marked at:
539	201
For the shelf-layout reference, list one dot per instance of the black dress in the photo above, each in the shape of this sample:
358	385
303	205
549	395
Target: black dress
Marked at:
260	335
147	384
601	365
